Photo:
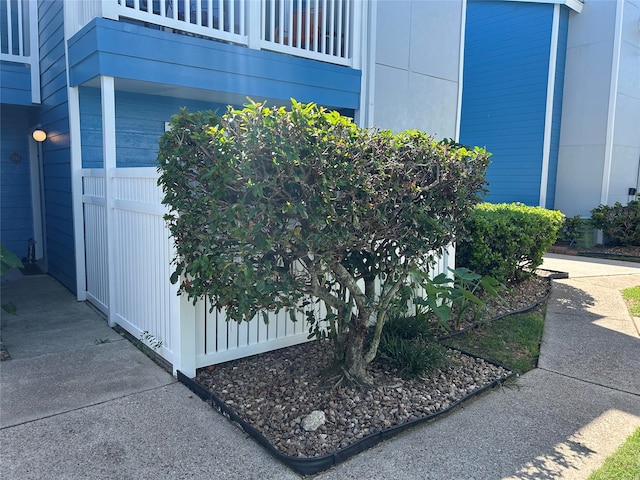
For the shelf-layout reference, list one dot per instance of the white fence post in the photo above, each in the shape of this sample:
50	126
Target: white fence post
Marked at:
184	342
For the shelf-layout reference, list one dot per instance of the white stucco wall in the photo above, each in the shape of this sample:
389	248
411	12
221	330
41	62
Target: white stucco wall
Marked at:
626	135
416	66
600	132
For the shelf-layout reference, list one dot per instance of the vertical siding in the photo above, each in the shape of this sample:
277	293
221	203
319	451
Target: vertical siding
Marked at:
54	117
557	106
504	93
15	183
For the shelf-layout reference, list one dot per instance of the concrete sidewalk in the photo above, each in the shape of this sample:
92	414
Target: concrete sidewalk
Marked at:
78	401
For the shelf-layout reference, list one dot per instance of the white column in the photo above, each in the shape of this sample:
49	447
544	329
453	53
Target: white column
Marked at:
34	52
107	90
75	147
611	114
548	119
463	26
367	55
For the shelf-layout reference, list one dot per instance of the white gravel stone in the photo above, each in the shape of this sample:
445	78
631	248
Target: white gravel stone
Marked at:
313	421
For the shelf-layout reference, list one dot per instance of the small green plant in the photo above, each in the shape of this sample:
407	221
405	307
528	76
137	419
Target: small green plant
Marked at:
620	223
100	341
450	299
407	344
507	241
632	296
624	464
572	229
8	260
150	341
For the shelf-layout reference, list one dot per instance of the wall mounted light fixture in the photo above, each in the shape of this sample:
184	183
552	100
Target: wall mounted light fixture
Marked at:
39	135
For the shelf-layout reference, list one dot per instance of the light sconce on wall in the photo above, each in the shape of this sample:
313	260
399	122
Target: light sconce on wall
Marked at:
39	135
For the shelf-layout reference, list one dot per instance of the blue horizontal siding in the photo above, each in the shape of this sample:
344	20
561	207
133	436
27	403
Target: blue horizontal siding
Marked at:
15	83
58	213
16	213
134	52
504	93
139	124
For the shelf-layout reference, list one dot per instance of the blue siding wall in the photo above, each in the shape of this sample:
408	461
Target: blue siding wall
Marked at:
15	83
15	183
139	124
557	106
504	93
133	52
56	154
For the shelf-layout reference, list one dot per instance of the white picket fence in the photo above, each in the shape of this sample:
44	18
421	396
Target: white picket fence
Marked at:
128	253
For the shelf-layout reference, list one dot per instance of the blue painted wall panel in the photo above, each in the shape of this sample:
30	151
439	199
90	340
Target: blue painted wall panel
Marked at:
504	93
16	227
56	153
137	53
15	83
139	124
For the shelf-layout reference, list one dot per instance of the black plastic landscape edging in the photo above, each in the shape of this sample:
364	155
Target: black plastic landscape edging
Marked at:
313	465
498	317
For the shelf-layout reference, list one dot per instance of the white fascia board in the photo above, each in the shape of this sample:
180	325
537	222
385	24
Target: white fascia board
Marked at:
575	5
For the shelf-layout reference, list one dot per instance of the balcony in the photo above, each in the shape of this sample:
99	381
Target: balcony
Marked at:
324	30
19	48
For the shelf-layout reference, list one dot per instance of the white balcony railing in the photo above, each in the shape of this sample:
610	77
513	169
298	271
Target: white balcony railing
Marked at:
19	38
325	30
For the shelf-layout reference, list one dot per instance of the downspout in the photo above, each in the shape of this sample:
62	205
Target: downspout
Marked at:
548	120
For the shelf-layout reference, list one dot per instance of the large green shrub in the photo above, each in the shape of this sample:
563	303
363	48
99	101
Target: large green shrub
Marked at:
620	223
276	208
507	241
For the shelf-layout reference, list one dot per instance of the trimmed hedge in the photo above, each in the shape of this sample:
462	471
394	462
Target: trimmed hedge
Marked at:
620	223
507	241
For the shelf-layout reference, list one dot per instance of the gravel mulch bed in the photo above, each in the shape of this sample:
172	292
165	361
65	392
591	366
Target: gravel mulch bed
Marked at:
275	391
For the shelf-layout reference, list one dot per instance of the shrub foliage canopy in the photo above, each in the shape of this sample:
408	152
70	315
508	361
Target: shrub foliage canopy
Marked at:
276	208
508	240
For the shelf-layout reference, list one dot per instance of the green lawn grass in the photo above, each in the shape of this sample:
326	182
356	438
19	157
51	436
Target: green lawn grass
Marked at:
624	464
512	341
632	296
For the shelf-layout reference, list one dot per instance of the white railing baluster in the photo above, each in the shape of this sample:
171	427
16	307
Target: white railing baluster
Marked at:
9	28
323	43
340	40
348	38
318	29
316	33
221	15
20	32
280	38
272	22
